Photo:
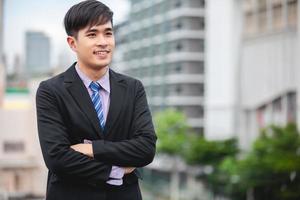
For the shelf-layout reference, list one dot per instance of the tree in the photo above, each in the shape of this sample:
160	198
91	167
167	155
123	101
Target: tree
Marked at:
204	152
172	129
220	156
272	168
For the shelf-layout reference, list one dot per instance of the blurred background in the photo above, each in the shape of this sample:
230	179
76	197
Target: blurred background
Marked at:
222	83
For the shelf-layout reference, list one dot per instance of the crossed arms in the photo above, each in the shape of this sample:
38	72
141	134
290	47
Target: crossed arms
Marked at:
59	154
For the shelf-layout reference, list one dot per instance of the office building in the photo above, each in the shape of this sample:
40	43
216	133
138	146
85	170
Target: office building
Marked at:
259	41
22	169
269	66
37	52
163	45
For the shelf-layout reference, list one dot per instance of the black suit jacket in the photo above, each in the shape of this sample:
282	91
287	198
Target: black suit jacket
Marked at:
66	116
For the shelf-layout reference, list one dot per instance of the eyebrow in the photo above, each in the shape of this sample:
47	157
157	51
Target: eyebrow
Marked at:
93	30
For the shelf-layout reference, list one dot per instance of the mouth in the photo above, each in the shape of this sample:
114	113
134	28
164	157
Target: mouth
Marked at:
101	52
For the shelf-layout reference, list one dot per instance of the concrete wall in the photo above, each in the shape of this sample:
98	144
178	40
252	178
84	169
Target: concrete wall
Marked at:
268	67
223	25
22	170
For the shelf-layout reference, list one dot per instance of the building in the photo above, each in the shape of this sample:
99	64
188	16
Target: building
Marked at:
164	48
2	71
223	40
262	70
269	66
22	169
37	51
162	44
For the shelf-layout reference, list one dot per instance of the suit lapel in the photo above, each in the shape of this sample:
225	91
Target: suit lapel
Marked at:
80	94
117	97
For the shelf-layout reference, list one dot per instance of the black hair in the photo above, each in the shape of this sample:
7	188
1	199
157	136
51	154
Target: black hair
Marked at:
86	13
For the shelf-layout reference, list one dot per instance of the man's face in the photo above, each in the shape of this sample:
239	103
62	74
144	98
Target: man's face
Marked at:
94	45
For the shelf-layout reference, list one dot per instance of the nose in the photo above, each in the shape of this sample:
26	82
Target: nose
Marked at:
101	41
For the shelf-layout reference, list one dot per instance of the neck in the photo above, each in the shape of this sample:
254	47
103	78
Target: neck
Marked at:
93	73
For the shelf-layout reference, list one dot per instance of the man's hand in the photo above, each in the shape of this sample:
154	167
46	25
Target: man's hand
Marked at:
86	149
129	170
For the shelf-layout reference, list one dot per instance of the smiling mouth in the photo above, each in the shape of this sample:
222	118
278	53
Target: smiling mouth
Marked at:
101	52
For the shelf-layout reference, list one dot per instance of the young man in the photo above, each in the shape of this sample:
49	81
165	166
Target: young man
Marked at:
94	125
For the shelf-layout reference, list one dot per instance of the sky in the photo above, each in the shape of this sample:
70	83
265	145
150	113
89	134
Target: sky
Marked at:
47	16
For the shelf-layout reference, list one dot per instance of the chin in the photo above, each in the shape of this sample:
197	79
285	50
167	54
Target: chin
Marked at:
99	65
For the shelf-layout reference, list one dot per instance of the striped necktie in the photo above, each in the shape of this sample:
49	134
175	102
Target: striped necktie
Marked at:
96	99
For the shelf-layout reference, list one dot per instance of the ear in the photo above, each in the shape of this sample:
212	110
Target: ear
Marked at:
72	43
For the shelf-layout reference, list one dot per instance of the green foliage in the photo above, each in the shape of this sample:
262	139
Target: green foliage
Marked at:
174	138
271	168
171	128
226	180
202	151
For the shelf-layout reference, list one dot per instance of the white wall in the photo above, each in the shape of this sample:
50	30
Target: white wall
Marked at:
268	67
223	25
243	74
298	70
18	123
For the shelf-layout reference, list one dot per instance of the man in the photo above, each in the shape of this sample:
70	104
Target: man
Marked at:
94	124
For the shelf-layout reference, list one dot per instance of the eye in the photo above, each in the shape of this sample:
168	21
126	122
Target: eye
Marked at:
91	35
109	33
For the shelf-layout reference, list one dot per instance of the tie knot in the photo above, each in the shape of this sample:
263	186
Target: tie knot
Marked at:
95	87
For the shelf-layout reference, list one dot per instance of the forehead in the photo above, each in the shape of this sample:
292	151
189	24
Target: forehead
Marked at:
99	27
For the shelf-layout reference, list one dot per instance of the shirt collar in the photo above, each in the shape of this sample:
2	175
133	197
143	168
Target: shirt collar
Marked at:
103	81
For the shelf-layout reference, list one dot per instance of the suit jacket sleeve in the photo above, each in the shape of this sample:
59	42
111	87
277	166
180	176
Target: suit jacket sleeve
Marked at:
137	151
55	143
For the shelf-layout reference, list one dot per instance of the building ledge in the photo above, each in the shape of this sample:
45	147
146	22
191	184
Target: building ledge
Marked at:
18	163
177	101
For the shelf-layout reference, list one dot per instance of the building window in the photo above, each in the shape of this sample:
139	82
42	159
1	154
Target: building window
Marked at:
178	4
261	116
179	47
17	181
201	89
262	5
202	47
277	111
269	16
166	27
291	107
178	68
250	25
262	15
178	25
292	13
179	108
178	89
202	24
201	112
202	3
201	66
277	16
13	146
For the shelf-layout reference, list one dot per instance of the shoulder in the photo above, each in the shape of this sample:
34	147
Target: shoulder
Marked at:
53	82
130	81
58	80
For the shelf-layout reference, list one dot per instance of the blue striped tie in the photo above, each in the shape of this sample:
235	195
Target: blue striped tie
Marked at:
96	99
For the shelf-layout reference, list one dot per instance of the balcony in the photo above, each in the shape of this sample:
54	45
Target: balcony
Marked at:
174	79
177	101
